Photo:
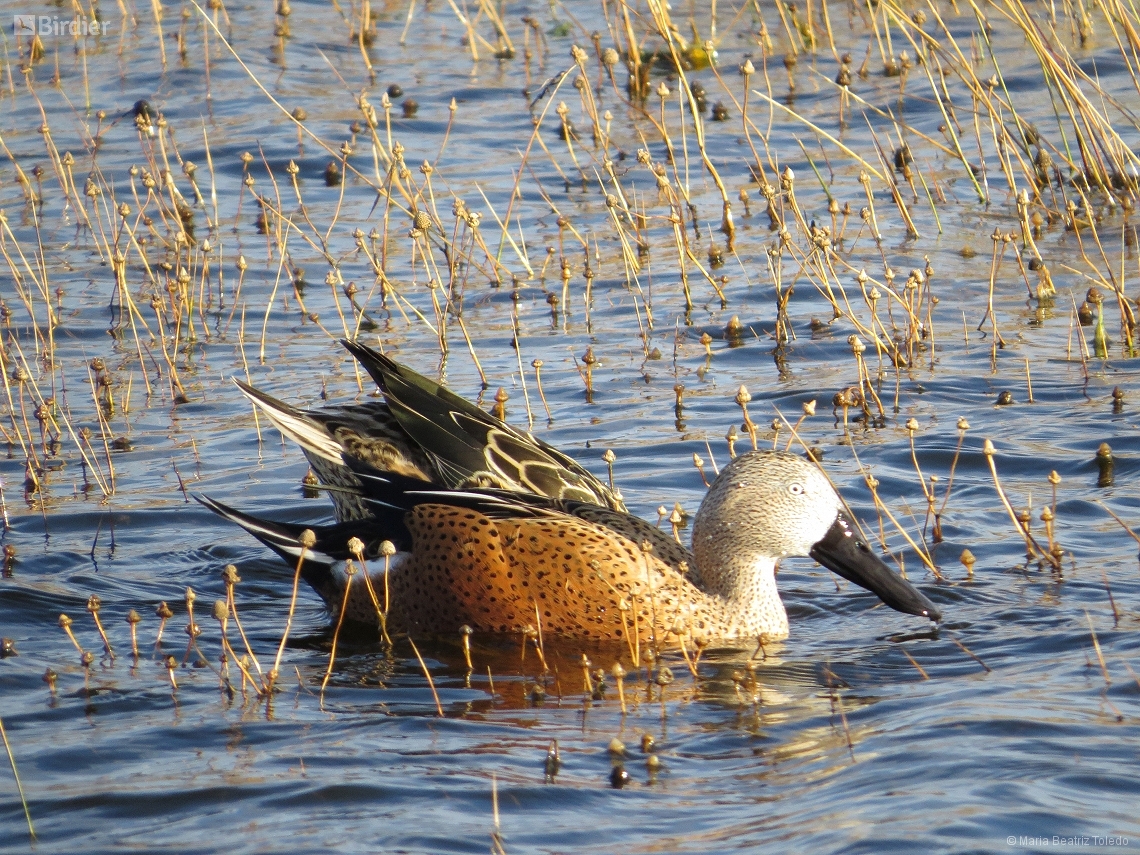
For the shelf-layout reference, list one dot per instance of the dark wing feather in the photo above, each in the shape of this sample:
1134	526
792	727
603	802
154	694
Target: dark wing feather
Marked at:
389	493
471	447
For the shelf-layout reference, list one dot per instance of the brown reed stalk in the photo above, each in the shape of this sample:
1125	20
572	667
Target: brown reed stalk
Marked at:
618	673
65	625
427	674
133	620
465	633
971	654
1123	524
350	571
231	579
307	540
917	667
1097	650
19	786
94	604
1030	541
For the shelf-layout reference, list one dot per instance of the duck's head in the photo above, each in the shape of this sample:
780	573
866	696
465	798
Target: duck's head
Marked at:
768	505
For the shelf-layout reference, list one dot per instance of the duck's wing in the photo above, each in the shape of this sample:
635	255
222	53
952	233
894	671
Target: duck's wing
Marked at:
368	431
472	448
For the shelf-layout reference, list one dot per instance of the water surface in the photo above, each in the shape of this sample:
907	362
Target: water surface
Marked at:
865	731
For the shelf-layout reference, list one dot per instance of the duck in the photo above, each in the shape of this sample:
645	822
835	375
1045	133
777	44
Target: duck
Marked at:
499	561
458	544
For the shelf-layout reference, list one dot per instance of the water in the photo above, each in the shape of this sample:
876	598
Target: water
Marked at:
865	731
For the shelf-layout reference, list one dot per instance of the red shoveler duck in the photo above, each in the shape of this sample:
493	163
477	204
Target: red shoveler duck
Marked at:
477	539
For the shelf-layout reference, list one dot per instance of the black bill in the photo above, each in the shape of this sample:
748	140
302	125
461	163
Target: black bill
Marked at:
843	553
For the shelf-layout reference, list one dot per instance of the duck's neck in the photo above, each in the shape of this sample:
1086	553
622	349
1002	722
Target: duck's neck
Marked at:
746	585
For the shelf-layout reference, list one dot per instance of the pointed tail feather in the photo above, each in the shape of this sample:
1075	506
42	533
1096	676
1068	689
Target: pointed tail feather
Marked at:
319	569
425	410
386	372
283	538
331	548
308	433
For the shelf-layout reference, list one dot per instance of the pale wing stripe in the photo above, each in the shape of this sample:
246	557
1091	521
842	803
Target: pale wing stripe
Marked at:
307	434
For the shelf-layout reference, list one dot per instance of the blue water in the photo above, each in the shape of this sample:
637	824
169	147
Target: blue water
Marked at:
866	731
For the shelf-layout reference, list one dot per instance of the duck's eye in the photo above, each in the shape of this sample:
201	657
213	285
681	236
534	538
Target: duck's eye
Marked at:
796	489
